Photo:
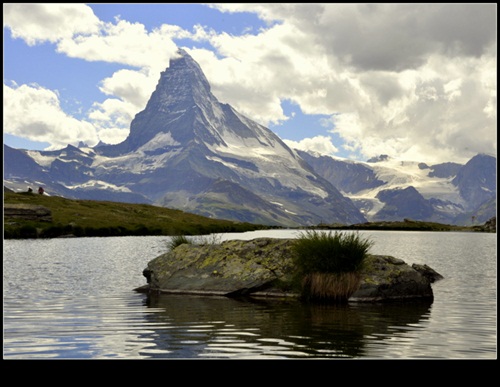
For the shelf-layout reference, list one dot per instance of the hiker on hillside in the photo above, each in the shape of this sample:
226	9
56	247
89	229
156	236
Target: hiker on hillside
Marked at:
40	191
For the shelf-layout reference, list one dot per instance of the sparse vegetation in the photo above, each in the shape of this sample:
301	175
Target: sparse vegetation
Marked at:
84	218
177	240
211	239
200	240
328	263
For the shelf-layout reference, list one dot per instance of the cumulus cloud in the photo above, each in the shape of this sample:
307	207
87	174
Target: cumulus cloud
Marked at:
35	113
409	80
78	33
322	145
393	37
131	86
406	79
37	23
129	93
125	43
256	73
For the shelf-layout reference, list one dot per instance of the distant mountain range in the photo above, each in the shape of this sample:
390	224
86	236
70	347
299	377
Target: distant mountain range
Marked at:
187	150
388	190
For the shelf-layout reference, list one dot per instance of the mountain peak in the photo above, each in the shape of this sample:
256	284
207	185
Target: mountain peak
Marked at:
181	89
181	85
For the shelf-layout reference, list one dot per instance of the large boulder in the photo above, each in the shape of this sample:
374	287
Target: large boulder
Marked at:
265	267
387	278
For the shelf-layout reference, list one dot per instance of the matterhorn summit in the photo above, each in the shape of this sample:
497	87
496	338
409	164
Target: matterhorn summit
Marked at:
181	105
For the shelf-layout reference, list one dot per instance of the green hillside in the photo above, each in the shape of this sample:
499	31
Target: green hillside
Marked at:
104	218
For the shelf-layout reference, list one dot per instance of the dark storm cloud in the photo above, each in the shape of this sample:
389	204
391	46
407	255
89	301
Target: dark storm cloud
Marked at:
396	37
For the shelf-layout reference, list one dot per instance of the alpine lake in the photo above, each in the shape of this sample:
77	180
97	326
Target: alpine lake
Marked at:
74	298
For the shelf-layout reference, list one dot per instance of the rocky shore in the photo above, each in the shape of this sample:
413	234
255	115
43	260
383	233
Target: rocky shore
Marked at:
264	267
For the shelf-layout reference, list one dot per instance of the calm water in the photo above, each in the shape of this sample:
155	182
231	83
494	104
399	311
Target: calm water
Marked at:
74	299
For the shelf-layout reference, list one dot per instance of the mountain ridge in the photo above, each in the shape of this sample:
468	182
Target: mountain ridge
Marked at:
385	189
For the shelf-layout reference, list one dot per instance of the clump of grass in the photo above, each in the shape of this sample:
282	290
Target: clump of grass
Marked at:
324	252
331	287
177	240
329	263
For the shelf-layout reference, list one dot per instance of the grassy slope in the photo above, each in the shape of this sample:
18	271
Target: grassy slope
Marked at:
104	218
113	218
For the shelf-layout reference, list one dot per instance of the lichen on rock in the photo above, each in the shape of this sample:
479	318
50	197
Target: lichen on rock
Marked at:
265	267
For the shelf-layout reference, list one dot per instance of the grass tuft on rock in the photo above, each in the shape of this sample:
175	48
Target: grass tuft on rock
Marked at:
328	263
330	287
177	240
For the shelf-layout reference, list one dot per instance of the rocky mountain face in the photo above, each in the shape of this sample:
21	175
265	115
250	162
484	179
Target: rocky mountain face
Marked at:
187	150
389	190
476	181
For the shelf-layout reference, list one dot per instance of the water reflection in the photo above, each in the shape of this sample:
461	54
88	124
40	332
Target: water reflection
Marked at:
213	327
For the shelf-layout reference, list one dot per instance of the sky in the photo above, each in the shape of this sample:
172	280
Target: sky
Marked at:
415	81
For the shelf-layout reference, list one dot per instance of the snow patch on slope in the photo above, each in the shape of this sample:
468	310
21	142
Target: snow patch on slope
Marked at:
136	163
99	184
272	162
160	140
44	161
401	174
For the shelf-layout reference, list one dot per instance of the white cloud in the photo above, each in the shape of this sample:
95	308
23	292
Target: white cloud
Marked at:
410	80
112	113
80	34
318	144
391	37
129	93
36	23
257	72
35	113
132	86
406	79
113	135
124	42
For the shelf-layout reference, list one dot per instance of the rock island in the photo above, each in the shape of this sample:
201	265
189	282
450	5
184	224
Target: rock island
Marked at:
264	267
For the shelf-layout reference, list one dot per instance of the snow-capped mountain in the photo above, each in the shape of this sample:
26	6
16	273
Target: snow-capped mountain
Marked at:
187	150
386	189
